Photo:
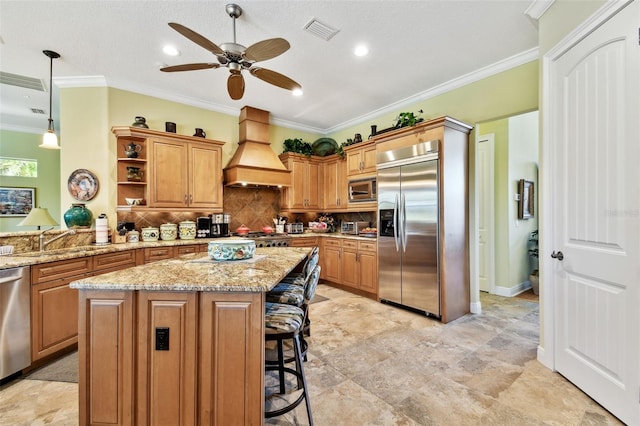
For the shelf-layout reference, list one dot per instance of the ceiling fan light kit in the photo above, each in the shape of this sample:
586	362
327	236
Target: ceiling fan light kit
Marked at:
237	58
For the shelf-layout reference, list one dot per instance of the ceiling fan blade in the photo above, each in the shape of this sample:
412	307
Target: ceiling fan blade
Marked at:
267	49
197	38
274	78
235	86
189	67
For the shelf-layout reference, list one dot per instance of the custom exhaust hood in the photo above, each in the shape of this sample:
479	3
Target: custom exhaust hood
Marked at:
254	162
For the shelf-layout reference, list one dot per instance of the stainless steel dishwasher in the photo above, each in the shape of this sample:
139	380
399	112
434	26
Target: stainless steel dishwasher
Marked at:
15	322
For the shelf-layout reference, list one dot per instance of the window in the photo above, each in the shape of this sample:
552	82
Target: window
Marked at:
21	167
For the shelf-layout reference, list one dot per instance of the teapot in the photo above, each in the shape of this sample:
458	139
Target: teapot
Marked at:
132	150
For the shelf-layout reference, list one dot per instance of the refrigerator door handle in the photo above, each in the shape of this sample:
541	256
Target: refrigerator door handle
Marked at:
403	223
396	232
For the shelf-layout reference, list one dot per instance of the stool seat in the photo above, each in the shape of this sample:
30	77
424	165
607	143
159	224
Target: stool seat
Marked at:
291	294
282	318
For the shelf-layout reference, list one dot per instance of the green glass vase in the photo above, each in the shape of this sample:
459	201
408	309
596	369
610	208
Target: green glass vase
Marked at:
78	216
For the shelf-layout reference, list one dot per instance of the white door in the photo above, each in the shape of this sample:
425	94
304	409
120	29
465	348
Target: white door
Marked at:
486	269
595	146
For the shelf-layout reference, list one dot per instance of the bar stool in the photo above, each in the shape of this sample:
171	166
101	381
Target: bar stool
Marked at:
286	322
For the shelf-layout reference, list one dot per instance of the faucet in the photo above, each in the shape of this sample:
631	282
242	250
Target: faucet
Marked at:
44	244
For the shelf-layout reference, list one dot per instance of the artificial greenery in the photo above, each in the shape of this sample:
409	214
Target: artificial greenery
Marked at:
298	146
340	150
533	250
405	119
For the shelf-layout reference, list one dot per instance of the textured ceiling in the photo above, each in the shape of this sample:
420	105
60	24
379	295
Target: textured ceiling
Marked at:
415	46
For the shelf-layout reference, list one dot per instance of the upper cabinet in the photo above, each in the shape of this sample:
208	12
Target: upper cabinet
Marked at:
170	171
335	196
361	159
306	180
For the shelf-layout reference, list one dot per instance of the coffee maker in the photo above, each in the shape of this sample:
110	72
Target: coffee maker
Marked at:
220	225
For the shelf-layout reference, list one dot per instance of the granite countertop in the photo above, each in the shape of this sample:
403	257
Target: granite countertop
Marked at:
196	272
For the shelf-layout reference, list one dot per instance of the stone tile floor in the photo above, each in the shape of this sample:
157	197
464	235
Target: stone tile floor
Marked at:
374	364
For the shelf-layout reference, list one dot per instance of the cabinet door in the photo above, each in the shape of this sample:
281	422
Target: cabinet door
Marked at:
313	186
332	264
205	176
166	358
297	196
168	174
354	162
369	159
334	185
54	317
350	268
368	263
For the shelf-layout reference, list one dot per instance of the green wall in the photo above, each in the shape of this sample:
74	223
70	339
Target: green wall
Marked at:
47	184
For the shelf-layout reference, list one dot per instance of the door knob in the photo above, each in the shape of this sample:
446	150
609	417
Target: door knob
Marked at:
558	255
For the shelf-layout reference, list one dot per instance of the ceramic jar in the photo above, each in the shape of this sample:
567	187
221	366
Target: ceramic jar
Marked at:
132	150
140	122
78	216
168	231
150	234
134	174
133	236
187	230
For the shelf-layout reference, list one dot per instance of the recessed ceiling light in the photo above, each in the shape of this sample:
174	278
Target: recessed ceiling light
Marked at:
297	92
361	50
170	50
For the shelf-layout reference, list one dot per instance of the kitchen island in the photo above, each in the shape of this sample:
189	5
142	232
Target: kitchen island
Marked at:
177	342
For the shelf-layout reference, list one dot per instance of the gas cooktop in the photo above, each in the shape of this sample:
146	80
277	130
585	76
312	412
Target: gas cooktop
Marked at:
263	239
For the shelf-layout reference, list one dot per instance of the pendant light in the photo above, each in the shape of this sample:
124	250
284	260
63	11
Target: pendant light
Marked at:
49	138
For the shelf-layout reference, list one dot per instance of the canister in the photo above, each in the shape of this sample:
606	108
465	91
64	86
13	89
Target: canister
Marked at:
133	236
150	234
187	230
168	231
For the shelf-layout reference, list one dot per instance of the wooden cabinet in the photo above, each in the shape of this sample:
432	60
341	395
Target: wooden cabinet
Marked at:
109	262
306	183
360	265
178	172
331	260
191	248
54	305
335	184
152	254
361	159
212	372
303	242
185	175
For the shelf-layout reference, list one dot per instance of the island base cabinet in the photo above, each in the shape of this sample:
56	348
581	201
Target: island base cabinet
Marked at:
231	359
106	357
207	370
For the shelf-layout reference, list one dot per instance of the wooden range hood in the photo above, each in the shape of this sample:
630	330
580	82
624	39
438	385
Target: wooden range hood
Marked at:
254	162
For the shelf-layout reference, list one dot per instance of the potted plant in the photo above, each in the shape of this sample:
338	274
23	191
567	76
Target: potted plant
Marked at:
405	119
533	254
298	146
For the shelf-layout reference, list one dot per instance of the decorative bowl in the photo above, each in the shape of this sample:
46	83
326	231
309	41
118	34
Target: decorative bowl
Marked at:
231	249
133	201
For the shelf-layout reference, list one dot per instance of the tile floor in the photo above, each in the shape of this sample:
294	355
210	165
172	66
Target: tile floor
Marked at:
373	364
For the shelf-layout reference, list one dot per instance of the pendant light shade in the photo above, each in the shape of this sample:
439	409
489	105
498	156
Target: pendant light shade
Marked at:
49	138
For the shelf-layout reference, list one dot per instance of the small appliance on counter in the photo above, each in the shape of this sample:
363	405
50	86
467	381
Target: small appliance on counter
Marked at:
220	225
295	228
353	228
203	227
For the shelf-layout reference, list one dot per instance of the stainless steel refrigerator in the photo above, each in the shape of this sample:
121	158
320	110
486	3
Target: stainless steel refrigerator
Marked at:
408	194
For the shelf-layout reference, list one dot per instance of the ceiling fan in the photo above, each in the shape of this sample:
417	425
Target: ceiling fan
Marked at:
236	57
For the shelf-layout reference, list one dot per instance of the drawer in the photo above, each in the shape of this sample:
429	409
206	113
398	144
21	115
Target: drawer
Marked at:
332	242
114	261
303	242
63	269
350	244
367	245
157	253
180	250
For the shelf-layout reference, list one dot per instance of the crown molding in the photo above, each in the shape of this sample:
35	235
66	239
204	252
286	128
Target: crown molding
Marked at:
482	73
537	8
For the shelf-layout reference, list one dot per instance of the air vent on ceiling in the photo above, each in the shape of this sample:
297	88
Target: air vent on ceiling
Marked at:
22	81
320	29
38	111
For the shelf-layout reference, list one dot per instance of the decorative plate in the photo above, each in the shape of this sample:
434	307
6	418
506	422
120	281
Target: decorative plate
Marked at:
83	185
324	146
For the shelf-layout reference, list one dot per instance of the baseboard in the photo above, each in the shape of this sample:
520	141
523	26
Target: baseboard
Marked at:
513	291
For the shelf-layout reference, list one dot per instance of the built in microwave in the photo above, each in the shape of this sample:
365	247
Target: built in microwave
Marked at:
361	190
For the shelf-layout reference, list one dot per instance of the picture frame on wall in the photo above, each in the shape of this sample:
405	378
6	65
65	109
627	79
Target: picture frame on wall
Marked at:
526	199
16	201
